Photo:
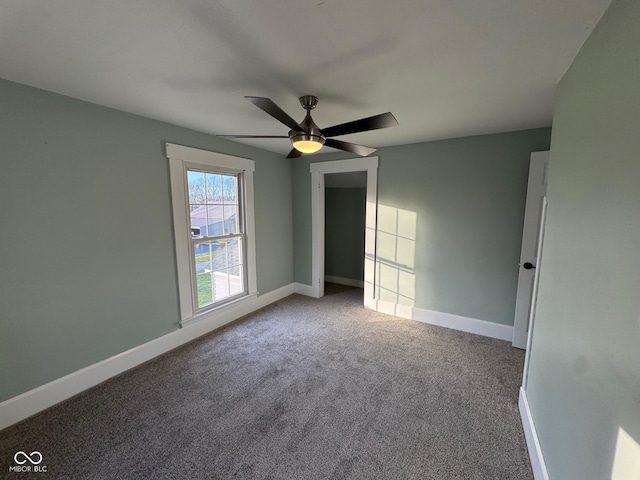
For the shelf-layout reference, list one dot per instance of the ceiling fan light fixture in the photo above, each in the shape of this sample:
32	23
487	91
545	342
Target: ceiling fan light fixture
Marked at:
307	143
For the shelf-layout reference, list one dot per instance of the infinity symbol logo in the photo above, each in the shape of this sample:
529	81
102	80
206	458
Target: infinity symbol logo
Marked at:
26	457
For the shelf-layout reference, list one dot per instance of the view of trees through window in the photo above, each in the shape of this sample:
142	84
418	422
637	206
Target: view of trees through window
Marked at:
216	236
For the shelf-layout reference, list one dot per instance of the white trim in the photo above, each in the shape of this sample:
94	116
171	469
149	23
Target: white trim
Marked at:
317	233
441	319
318	170
180	158
250	224
303	289
29	403
214	159
531	436
343	166
181	225
213	316
344	281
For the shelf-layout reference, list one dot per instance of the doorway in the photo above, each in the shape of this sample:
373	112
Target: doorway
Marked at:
345	203
319	170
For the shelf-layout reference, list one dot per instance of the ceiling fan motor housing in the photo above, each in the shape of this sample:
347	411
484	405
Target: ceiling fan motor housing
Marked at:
308	131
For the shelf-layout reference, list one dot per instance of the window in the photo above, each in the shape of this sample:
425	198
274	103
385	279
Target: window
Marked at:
212	196
215	212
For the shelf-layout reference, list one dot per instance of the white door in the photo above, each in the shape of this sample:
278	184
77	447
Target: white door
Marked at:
536	190
532	314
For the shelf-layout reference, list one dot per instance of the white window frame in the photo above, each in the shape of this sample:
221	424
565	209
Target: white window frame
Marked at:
181	159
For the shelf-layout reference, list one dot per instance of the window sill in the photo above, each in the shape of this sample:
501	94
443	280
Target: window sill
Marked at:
217	311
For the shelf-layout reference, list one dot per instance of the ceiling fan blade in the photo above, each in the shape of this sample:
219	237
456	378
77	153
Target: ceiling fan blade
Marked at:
254	136
267	105
294	154
383	120
349	147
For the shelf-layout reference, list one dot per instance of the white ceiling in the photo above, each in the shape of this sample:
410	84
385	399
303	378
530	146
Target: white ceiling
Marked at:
444	68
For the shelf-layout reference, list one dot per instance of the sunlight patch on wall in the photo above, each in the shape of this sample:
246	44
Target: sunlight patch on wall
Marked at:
626	462
396	246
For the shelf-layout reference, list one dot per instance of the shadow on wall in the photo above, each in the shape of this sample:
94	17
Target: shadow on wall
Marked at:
396	246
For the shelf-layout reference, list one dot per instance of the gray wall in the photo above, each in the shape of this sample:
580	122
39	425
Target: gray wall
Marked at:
584	380
344	232
467	196
99	277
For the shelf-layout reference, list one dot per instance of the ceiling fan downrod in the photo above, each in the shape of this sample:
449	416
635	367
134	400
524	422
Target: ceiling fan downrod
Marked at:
309	138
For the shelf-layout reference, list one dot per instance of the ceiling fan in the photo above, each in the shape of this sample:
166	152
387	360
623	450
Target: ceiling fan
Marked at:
307	137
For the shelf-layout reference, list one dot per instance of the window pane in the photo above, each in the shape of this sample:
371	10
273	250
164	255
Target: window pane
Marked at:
231	219
195	181
214	188
219	256
198	215
235	270
220	284
214	223
236	280
229	188
203	257
234	251
205	290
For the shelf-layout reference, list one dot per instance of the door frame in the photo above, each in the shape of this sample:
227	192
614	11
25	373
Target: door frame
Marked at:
318	171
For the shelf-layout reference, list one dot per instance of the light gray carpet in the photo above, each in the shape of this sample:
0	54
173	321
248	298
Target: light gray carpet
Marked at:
303	389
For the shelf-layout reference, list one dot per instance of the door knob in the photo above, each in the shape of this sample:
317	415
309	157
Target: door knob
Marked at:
528	266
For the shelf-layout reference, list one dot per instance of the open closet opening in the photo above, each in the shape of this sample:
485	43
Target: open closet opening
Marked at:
345	223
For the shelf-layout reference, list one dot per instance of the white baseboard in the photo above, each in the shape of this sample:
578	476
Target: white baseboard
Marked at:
448	320
29	403
303	289
531	436
344	281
